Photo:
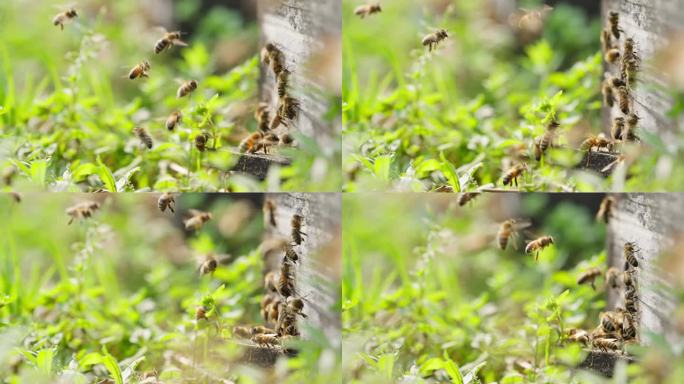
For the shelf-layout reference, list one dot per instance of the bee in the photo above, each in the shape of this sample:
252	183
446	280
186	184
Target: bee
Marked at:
617	129
608	93
538	152
201	141
631	124
166	201
282	82
285	284
260	330
628	327
8	174
606	40
168	40
271	281
267	340
270	212
511	176
144	137
15	196
64	18
538	245
623	100
286	139
614	82
295	305
432	40
274	311
250	143
612	56
466	197
605	209
296	223
209	265
614	23
267	141
367	10
289	108
546	140
630	250
266	301
263	117
629	52
265	56
507	230
196	220
578	336
606	345
82	210
628	279
139	70
186	88
589	276
200	313
612	275
609	322
275	58
242	332
598	142
173	120
291	254
631	304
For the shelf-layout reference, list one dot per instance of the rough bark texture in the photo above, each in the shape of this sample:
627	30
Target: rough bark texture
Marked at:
257	165
650	23
651	221
318	269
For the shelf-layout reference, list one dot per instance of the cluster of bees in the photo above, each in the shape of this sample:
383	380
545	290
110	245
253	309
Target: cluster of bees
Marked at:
281	305
619	327
268	121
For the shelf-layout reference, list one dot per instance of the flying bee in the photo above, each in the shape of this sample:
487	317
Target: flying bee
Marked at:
139	70
296	223
174	119
169	40
589	276
144	137
282	82
538	245
606	345
209	265
270	212
196	220
200	313
623	99
242	332
186	88
612	56
267	340
606	41
617	129
82	210
538	152
296	305
466	197
166	201
599	142
578	336
64	18
608	94
631	126
201	141
612	277
433	39
250	143
509	230
630	250
511	176
271	281
605	209
367	10
614	23
15	196
546	139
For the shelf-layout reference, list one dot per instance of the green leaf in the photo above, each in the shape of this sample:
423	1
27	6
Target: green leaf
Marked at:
84	170
381	167
39	172
106	176
124	180
451	369
90	359
112	366
449	172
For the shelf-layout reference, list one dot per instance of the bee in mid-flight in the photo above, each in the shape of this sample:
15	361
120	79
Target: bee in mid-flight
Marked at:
197	219
168	40
140	70
166	201
186	88
466	197
144	137
605	209
511	176
367	9
538	245
209	265
508	230
82	210
612	278
64	18
589	276
173	120
432	40
296	224
201	141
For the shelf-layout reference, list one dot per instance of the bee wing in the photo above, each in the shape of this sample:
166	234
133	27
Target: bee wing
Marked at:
194	212
522	224
179	43
161	29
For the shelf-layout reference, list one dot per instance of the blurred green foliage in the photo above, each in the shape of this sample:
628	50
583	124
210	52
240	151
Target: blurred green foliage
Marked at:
428	296
114	297
68	108
460	117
